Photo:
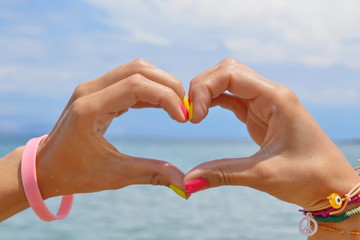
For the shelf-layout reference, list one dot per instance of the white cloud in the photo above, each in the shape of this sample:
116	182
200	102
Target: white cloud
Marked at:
13	47
315	33
265	52
30	80
142	36
46	52
36	57
332	96
340	90
24	30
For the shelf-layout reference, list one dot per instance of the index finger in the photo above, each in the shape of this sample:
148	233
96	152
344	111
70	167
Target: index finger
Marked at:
138	66
101	107
228	75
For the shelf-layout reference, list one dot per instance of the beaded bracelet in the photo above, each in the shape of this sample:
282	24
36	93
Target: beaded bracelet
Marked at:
335	202
327	212
338	203
342	217
311	226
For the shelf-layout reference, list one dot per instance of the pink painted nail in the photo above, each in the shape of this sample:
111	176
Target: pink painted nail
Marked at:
196	185
185	111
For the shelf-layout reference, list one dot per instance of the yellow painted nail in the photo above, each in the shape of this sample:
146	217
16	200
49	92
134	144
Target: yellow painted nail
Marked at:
178	191
191	111
186	103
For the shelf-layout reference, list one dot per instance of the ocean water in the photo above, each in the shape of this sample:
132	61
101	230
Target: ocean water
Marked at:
148	212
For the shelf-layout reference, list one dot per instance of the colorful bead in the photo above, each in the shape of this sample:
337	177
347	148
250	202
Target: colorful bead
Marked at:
335	200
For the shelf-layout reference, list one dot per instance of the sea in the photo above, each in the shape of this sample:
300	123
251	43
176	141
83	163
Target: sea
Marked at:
156	213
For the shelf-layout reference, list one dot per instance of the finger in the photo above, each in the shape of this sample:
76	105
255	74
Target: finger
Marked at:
229	172
133	171
138	66
233	103
142	104
107	103
228	75
218	173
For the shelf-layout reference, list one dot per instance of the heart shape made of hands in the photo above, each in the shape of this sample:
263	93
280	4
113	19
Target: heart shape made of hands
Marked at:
290	140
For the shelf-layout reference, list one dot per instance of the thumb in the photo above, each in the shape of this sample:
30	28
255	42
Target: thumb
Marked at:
154	172
222	172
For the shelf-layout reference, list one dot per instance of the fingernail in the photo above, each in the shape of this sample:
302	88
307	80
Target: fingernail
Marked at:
178	191
191	111
189	106
185	111
196	185
186	102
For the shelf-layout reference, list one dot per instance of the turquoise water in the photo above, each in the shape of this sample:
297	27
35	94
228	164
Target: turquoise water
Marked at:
148	212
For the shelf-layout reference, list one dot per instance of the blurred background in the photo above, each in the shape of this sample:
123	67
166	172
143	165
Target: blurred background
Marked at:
47	48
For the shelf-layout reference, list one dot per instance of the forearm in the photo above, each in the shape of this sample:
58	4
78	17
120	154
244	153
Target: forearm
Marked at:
12	196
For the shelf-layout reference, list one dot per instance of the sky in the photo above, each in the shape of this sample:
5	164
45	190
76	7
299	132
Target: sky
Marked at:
47	48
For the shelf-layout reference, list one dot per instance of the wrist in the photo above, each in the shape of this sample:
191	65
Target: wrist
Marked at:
338	215
338	186
31	185
45	177
339	177
49	175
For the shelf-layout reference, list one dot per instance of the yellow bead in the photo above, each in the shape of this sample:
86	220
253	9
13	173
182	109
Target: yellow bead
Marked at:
335	200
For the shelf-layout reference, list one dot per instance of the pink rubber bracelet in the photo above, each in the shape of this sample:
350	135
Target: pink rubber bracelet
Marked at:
31	187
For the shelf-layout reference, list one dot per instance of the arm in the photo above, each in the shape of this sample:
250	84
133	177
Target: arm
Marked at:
76	158
12	197
296	163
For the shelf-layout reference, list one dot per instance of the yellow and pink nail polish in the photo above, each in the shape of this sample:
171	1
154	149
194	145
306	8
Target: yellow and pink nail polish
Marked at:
188	106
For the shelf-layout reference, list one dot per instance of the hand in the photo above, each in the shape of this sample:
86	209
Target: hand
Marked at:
76	158
296	162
